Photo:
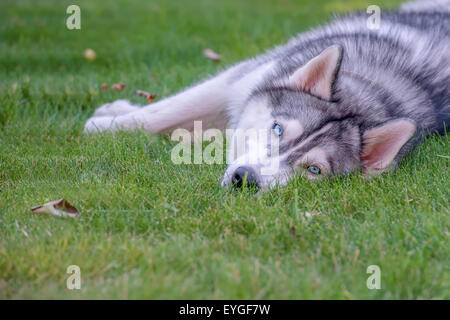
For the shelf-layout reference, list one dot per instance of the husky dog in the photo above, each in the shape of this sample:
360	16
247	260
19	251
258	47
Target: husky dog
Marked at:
339	98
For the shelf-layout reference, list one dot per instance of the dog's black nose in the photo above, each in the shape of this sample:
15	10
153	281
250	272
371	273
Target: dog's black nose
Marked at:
244	174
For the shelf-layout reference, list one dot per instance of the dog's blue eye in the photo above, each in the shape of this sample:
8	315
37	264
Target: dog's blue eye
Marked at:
314	169
277	129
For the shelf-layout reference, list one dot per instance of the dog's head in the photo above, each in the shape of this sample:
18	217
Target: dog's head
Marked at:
298	126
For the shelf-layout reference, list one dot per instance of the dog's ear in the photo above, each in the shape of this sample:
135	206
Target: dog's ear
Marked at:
381	144
318	75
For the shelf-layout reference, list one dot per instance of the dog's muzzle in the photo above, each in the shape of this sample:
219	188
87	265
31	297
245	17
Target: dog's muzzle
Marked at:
244	176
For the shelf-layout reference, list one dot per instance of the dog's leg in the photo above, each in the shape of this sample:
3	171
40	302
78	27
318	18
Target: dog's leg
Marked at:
206	101
115	109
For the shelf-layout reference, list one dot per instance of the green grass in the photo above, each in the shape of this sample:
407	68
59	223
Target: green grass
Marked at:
152	229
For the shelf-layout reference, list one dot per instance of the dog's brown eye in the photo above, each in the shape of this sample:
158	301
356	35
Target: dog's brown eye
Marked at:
314	169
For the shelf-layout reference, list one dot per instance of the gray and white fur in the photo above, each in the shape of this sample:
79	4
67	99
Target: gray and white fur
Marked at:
345	97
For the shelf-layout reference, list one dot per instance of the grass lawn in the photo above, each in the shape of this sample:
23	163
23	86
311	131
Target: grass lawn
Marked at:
152	229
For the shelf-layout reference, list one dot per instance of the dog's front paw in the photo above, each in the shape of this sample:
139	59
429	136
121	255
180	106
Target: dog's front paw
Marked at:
98	124
115	109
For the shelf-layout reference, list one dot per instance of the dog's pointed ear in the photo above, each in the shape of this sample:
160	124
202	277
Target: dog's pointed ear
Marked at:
318	75
381	144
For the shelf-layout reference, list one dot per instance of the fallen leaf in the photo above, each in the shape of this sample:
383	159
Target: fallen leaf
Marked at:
148	96
210	54
118	86
59	208
90	54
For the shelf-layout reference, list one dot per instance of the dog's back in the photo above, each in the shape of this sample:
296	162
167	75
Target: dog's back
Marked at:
401	69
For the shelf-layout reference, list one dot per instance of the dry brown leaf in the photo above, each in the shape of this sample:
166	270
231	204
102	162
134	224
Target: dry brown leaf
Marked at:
90	54
148	96
59	208
118	86
210	54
